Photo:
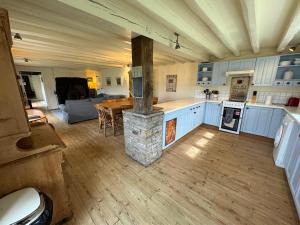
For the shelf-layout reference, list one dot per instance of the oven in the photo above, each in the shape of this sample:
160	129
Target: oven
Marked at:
231	116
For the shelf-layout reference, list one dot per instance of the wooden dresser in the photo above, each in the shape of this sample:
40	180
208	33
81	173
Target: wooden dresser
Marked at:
29	157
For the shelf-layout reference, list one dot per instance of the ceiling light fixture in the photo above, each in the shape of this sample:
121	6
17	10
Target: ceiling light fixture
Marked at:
177	46
292	48
18	36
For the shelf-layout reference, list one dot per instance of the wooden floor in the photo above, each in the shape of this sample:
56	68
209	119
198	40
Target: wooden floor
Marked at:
209	177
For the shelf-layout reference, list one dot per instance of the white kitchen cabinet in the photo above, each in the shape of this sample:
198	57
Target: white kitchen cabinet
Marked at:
243	64
265	71
219	73
292	167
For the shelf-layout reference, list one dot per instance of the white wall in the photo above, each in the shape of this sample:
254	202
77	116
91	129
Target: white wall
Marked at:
113	73
186	80
48	76
186	86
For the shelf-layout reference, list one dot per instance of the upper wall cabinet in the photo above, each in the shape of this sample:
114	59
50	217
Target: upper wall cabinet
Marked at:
204	75
219	73
288	67
265	70
243	64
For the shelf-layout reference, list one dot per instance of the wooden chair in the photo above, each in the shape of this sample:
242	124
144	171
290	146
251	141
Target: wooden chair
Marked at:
101	117
36	116
108	121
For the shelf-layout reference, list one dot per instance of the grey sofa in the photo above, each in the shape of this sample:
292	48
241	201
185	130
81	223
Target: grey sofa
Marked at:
80	110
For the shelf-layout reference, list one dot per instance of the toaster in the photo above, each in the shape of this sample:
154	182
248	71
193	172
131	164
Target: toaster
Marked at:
293	102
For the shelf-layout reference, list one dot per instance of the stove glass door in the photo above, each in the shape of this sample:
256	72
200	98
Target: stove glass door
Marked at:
231	119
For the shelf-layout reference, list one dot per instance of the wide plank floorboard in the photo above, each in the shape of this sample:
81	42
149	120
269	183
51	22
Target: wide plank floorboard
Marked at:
208	177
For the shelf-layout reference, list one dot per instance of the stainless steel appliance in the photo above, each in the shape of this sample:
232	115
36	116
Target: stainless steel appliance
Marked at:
231	118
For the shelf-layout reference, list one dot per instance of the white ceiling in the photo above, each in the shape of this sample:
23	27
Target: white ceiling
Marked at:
97	33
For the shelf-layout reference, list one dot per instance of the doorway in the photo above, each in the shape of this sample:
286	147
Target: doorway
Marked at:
34	89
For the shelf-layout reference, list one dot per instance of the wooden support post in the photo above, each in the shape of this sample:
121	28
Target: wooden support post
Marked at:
142	55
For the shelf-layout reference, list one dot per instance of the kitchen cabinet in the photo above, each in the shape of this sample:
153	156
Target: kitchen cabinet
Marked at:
204	73
219	73
198	116
288	63
257	120
277	117
243	64
187	119
292	168
212	113
265	70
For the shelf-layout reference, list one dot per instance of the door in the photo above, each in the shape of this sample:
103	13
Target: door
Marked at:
265	70
212	113
198	113
249	120
293	170
219	73
257	120
183	123
230	119
277	117
201	113
263	121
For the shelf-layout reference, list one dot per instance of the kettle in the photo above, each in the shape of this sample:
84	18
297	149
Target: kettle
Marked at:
293	101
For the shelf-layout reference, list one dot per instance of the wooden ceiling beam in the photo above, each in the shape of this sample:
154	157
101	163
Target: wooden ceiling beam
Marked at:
251	21
209	14
34	51
125	15
38	56
177	16
292	29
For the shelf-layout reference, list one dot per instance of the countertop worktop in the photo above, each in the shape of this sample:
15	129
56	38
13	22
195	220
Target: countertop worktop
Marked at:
170	106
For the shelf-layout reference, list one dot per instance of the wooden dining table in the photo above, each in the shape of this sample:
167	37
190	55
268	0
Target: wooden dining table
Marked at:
115	105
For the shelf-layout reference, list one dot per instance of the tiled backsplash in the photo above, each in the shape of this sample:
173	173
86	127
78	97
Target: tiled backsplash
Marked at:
280	95
277	97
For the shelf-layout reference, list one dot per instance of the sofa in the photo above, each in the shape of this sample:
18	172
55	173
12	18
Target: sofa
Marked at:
83	109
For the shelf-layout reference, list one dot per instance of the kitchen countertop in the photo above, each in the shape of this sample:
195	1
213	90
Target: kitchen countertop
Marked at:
171	106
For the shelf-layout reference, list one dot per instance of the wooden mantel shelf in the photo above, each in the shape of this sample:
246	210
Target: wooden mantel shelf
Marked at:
43	139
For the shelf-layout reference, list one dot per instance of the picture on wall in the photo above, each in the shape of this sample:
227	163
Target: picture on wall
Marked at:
118	81
107	81
171	83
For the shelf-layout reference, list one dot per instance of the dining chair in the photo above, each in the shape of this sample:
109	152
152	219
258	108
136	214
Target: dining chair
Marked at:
101	117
